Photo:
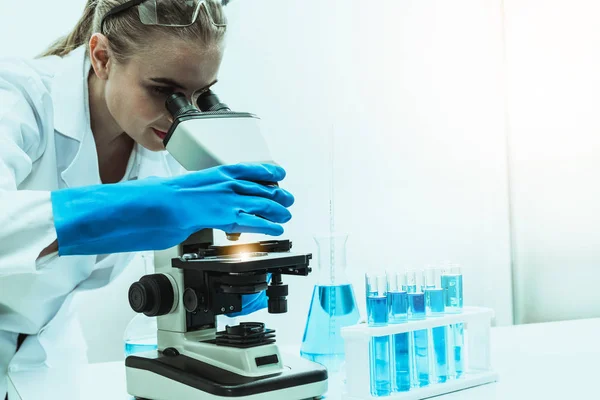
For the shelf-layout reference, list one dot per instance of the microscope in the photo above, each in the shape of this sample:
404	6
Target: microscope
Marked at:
196	281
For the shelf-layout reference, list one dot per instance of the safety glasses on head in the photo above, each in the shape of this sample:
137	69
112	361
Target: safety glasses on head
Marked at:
177	13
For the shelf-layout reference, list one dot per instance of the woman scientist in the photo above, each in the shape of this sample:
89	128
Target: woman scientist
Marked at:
83	180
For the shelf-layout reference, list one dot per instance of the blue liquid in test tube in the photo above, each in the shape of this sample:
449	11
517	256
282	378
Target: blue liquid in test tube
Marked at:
434	301
416	311
377	310
452	283
436	305
379	352
398	313
409	288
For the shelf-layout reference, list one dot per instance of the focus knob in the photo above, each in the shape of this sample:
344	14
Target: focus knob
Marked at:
277	294
153	295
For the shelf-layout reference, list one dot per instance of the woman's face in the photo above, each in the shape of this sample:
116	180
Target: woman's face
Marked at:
136	91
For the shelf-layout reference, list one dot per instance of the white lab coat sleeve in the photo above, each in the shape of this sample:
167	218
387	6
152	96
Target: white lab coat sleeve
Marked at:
26	221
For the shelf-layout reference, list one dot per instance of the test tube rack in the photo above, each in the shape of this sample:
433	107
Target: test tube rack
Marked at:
478	370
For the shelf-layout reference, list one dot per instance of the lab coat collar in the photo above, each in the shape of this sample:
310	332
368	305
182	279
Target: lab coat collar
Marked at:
71	108
153	163
69	94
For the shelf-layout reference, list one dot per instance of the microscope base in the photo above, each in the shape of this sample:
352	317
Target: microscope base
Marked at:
158	377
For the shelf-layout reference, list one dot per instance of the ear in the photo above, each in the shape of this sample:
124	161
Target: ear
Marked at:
100	55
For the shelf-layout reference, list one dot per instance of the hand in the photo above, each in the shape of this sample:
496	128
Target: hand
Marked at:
158	213
253	302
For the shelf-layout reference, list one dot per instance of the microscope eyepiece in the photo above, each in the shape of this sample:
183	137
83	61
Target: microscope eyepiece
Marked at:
209	102
178	105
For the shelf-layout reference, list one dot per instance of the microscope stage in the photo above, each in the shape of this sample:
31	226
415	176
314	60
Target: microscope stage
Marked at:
294	264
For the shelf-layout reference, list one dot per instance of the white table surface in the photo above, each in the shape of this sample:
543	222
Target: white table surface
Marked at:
557	360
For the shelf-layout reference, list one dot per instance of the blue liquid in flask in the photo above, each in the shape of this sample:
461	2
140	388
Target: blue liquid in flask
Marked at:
140	335
332	307
132	348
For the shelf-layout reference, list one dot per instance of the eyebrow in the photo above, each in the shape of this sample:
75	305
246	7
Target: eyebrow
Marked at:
175	84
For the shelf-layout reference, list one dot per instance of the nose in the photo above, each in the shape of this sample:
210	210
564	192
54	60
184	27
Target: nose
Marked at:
167	119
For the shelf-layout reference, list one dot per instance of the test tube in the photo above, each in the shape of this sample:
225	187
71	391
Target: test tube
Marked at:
379	353
410	282
420	339
398	314
452	283
434	304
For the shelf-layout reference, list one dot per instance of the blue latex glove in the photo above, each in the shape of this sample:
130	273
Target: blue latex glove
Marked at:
158	213
253	302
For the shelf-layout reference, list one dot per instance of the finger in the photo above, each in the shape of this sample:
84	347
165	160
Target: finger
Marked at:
247	223
265	208
251	303
255	172
274	193
254	302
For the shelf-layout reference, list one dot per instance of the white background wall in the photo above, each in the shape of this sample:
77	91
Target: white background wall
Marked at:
554	63
414	92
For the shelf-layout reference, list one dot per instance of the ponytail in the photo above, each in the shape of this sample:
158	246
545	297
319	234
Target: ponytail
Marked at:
78	36
128	35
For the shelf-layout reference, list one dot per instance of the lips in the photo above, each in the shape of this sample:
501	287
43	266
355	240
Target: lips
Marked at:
160	134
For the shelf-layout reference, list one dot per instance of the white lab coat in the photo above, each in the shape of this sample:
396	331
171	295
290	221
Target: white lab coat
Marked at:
46	144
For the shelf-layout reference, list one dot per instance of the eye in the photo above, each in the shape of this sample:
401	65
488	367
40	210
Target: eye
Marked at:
162	90
197	94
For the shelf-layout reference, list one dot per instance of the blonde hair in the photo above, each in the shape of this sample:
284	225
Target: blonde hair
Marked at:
127	35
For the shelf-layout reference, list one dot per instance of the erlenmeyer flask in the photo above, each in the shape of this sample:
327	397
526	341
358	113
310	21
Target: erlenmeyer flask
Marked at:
141	333
332	307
